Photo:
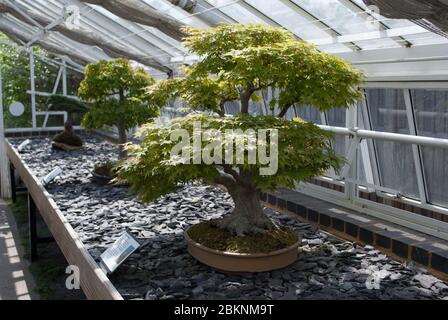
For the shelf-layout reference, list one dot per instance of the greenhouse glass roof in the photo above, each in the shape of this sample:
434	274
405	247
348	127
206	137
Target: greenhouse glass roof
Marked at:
148	31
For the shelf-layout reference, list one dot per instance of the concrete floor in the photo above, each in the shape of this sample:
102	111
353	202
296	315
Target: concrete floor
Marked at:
16	282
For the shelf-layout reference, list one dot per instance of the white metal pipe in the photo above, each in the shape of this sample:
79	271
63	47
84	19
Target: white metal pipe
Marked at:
19	130
388	136
47	94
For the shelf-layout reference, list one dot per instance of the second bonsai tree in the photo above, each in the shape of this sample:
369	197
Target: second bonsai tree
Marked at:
116	92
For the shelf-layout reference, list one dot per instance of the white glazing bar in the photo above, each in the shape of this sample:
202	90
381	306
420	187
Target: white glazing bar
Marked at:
56	83
64	78
371	35
416	150
370	160
351	121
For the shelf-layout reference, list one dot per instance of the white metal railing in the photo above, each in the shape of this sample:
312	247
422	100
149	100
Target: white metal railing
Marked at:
360	145
396	137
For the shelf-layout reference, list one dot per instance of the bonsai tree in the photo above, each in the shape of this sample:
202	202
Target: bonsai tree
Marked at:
67	140
236	63
116	91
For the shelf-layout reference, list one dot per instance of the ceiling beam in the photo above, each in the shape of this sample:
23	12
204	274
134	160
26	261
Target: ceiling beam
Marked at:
17	35
19	45
82	35
360	12
204	11
430	14
313	19
138	11
371	35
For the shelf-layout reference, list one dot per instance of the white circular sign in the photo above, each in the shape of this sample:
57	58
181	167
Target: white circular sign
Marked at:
17	109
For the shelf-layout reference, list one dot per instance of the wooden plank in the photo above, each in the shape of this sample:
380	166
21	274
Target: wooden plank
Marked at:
93	280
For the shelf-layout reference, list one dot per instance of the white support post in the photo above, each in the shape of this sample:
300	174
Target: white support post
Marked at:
33	88
58	79
351	121
351	155
5	183
416	149
324	121
64	78
369	156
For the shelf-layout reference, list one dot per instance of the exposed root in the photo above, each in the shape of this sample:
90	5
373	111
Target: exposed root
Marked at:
240	225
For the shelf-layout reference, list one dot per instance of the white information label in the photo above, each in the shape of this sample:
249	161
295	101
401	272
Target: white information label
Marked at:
23	145
116	254
53	174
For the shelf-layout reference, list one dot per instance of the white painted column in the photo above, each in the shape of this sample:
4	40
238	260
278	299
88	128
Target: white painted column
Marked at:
351	121
32	89
64	78
5	183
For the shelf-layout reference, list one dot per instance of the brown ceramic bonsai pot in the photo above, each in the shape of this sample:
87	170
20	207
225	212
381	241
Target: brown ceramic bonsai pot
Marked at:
242	262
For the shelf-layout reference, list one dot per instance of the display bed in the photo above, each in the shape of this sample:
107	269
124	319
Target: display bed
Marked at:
327	267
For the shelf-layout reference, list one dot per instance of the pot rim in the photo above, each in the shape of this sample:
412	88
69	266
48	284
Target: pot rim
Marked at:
100	175
240	255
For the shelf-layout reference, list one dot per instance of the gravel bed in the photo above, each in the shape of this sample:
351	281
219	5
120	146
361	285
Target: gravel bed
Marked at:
328	268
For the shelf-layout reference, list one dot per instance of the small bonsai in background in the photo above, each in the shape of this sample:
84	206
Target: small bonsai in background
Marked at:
67	140
116	91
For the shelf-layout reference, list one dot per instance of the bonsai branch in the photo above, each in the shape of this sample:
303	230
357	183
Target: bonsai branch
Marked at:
283	111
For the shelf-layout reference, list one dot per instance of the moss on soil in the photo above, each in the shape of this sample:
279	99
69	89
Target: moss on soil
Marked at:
106	169
219	239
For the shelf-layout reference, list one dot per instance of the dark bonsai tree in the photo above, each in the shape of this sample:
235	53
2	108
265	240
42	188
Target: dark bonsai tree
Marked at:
67	140
237	62
116	91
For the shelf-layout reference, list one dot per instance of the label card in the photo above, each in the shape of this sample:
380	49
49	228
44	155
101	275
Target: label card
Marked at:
53	174
118	252
23	145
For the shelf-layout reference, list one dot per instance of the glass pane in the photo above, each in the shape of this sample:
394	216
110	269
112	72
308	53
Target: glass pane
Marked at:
344	21
387	110
309	113
289	18
431	115
235	11
175	12
396	163
336	117
418	39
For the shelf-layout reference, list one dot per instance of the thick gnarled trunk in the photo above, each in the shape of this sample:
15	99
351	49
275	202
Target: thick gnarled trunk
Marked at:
122	135
248	216
122	139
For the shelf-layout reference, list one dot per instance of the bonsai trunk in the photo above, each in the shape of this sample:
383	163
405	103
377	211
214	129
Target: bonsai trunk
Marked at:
245	99
122	139
248	216
122	136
